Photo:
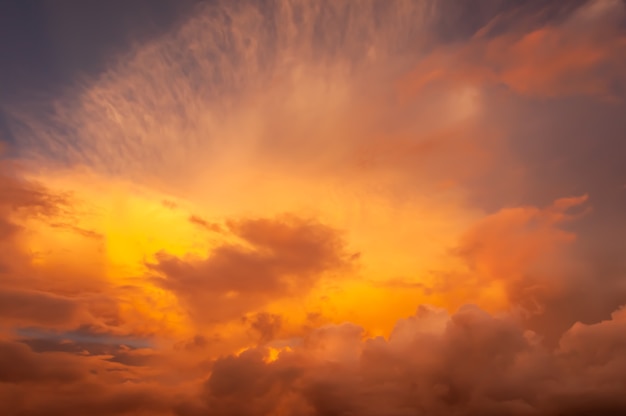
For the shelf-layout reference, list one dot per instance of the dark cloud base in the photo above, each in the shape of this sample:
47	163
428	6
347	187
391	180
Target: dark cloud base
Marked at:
469	363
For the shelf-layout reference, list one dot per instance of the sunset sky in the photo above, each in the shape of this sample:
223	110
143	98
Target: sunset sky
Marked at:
313	207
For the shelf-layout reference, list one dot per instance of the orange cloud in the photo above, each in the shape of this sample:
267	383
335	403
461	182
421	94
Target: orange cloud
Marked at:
31	307
515	252
205	224
580	56
286	256
470	363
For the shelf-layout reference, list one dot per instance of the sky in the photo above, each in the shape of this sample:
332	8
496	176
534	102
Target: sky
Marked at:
313	207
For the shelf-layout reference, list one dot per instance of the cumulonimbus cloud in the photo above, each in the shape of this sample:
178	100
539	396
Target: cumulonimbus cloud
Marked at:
468	363
145	268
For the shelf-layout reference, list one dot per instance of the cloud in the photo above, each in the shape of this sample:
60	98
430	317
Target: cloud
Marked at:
57	382
205	224
526	260
20	364
31	307
19	194
241	54
469	363
266	325
19	197
51	266
27	206
519	248
275	258
94	399
579	55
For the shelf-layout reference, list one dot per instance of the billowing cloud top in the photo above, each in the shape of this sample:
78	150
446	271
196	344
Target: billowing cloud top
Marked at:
295	207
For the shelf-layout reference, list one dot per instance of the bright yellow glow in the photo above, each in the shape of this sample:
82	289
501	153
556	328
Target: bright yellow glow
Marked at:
131	224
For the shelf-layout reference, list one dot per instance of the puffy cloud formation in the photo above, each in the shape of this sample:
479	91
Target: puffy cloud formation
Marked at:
281	257
469	363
